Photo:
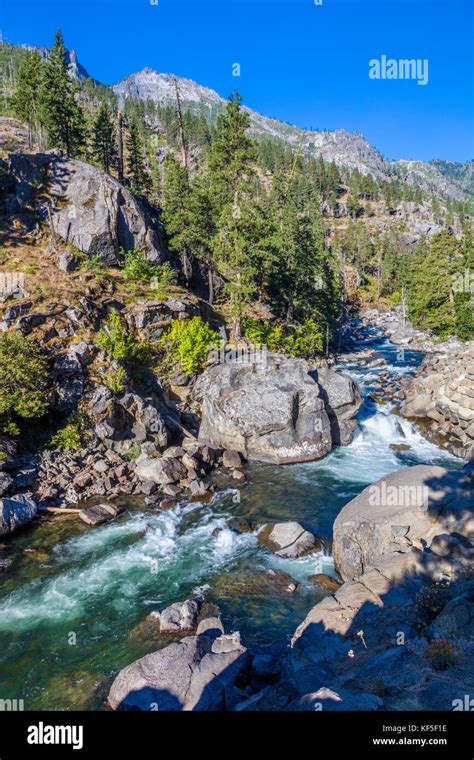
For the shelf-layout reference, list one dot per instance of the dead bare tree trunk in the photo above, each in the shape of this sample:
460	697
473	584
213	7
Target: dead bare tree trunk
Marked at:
182	136
120	147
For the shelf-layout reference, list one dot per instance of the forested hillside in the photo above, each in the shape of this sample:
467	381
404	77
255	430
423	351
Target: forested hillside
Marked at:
287	241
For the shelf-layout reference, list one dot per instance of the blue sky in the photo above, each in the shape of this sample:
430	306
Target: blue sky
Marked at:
301	62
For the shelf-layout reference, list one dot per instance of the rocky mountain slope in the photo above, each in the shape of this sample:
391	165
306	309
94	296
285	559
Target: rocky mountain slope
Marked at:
347	149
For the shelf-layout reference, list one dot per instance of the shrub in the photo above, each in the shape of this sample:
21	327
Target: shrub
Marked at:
163	277
115	338
264	334
23	379
70	436
115	380
188	342
306	340
135	266
431	600
93	263
133	453
443	654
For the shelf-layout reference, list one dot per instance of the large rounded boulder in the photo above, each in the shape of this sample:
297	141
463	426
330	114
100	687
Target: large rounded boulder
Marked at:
275	410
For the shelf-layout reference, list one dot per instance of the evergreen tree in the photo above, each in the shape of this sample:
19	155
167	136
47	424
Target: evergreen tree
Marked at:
296	276
463	287
176	211
202	229
430	286
103	138
240	245
62	113
139	178
27	97
231	154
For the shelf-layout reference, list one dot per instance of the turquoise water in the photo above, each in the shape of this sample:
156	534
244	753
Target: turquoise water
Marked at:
72	608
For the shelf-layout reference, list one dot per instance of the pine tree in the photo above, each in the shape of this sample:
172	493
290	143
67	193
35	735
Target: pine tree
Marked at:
464	290
176	211
27	97
296	276
430	285
232	153
202	229
139	178
62	113
103	138
240	245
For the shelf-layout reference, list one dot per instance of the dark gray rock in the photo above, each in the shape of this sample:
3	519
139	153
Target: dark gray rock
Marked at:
271	411
160	471
99	513
16	511
401	510
181	616
68	262
89	208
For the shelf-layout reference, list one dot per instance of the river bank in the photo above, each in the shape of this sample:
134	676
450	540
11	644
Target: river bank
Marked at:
65	583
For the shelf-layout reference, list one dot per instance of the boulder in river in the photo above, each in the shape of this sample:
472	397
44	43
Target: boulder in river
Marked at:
16	511
192	674
277	411
287	539
99	513
180	616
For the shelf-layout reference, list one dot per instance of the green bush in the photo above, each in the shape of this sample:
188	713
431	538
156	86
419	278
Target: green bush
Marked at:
443	654
307	339
115	380
133	453
93	263
264	334
135	266
188	343
116	339
23	379
163	277
70	436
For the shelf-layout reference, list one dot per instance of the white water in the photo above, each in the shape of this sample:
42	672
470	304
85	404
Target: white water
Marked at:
146	560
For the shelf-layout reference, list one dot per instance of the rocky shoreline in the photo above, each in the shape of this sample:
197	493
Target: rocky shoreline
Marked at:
397	634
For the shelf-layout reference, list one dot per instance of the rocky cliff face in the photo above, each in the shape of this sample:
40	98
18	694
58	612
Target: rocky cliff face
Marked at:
87	207
399	633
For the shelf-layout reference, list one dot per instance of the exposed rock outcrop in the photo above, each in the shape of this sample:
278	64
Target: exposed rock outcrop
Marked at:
398	634
287	539
192	674
277	411
441	398
402	510
89	208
